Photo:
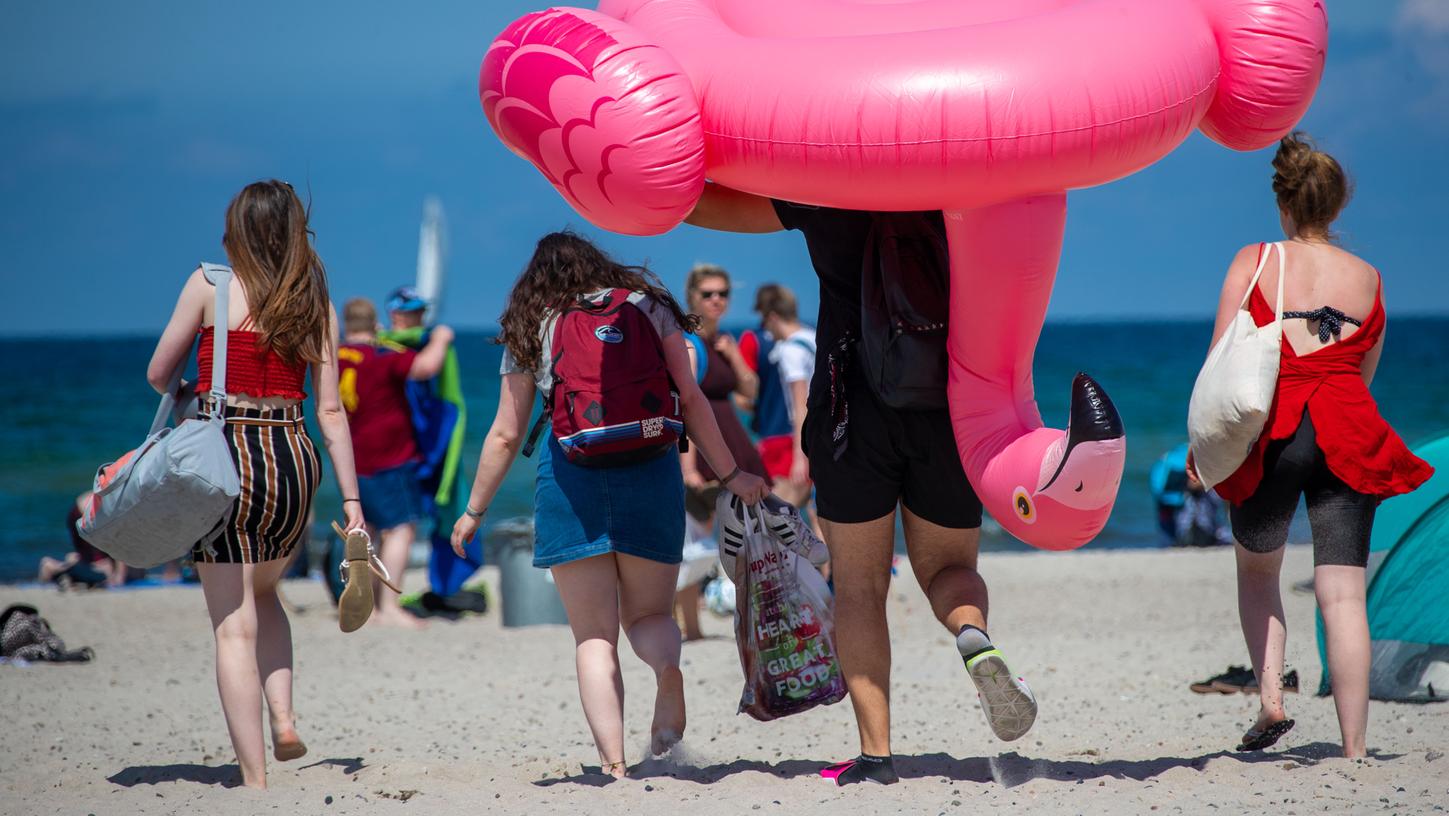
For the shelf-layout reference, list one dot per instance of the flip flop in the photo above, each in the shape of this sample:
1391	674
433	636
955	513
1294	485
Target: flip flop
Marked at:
1257	740
354	607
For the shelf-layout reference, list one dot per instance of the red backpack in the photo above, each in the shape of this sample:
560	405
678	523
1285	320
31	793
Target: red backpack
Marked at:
613	401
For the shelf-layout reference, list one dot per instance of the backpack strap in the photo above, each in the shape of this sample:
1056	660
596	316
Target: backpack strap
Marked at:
532	444
533	434
802	343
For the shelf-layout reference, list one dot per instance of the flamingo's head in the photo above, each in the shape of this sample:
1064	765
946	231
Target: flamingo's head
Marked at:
1080	474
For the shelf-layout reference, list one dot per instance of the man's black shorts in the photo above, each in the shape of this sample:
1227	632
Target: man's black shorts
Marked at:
892	456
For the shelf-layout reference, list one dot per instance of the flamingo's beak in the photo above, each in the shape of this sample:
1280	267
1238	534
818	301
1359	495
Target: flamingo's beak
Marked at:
1084	469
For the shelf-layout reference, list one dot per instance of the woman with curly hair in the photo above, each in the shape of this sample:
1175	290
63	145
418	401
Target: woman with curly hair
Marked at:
611	535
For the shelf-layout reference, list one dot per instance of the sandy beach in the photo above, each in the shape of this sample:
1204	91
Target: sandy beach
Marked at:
471	717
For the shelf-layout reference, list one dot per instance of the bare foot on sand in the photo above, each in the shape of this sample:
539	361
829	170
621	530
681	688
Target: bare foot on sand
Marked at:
286	745
668	727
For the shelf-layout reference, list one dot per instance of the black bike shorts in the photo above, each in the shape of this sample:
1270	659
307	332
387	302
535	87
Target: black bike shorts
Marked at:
892	456
1340	517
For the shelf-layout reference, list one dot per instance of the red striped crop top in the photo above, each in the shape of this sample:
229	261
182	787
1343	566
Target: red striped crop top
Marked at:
252	371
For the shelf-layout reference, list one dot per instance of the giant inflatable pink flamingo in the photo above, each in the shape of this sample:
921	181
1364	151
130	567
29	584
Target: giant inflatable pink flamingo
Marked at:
987	109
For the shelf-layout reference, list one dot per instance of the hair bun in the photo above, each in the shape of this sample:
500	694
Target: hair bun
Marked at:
1295	159
1310	184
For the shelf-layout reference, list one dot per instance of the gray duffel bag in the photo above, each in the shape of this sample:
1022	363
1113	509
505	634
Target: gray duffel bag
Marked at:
176	490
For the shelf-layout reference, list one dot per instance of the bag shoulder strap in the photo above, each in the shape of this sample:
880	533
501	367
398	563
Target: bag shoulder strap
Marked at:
1264	250
1282	273
219	276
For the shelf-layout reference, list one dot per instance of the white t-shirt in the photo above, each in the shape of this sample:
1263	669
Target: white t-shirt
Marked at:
795	358
660	316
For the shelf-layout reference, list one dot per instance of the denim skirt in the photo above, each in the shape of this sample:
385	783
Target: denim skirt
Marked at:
581	512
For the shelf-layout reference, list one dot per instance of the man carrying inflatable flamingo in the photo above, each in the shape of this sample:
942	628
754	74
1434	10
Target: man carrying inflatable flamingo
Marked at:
871	451
971	119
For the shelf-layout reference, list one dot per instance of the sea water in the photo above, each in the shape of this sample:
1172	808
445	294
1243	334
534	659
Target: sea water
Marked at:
70	405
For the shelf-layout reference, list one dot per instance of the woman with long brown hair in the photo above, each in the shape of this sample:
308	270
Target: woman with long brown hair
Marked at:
612	533
280	324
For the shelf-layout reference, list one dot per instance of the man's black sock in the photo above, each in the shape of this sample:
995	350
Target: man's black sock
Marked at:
865	768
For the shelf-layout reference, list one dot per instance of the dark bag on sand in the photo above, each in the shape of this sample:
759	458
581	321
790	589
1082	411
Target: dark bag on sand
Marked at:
24	635
904	305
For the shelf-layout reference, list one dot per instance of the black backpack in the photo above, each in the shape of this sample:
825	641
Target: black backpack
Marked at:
904	306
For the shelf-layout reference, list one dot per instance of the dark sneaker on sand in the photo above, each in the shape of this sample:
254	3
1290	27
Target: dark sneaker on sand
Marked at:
1290	683
1229	682
1234	676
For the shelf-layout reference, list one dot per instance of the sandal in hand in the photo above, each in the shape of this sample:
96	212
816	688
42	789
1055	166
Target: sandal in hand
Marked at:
358	566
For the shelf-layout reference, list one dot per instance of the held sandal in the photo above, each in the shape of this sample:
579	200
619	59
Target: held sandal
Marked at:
355	605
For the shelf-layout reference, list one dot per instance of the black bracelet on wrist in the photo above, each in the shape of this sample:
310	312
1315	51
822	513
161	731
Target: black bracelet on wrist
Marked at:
474	514
733	473
345	501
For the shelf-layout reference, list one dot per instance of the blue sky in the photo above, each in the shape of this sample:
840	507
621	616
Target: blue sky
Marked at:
126	127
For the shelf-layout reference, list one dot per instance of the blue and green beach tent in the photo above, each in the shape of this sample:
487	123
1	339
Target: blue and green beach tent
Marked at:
1408	590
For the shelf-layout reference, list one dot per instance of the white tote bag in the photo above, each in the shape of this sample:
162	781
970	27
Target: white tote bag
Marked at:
1235	389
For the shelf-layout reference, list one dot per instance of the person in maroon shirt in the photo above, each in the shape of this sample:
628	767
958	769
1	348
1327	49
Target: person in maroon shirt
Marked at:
372	381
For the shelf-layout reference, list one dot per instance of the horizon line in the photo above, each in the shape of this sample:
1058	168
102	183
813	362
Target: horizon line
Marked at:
492	329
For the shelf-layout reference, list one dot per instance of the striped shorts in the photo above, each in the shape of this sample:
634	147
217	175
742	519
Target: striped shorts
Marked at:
279	471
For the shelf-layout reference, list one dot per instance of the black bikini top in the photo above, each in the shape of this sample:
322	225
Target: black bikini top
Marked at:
1330	321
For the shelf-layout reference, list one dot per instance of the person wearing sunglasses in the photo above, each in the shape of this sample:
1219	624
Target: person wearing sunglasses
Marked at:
726	375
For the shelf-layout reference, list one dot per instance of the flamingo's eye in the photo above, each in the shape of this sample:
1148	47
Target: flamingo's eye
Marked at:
1022	505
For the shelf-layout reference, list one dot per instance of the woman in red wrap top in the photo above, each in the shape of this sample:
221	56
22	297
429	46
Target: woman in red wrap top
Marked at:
1331	384
1324	441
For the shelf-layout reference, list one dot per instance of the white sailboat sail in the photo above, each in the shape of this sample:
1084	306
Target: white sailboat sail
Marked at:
432	252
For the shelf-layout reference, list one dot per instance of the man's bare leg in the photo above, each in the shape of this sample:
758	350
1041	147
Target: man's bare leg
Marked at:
944	561
861	556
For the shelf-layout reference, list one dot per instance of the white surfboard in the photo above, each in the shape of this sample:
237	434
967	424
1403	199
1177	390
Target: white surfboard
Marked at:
432	254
